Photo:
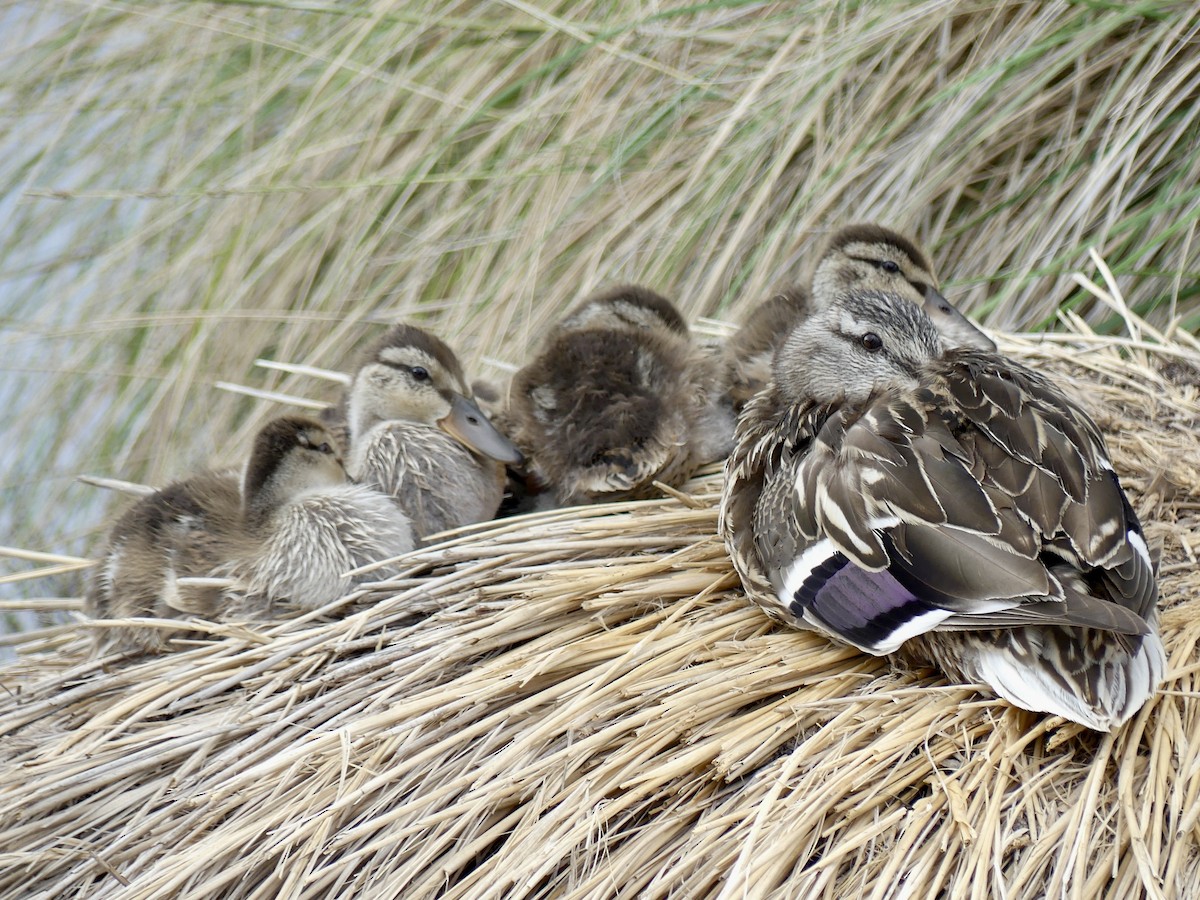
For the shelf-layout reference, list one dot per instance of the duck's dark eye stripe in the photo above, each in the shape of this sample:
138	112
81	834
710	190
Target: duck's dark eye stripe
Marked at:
884	265
418	373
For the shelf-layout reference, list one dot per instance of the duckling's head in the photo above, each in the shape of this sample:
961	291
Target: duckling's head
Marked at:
409	375
627	306
866	340
872	257
292	455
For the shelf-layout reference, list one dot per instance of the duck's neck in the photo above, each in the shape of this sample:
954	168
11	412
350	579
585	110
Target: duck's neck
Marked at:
260	501
359	419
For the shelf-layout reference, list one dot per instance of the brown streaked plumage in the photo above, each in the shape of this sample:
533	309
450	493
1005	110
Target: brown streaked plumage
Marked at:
618	396
948	504
417	435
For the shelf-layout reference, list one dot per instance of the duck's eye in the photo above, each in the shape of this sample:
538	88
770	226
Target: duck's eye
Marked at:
890	266
871	342
419	373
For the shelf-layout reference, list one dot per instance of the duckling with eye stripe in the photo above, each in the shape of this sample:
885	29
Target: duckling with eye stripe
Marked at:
417	435
616	398
288	530
309	525
947	504
871	257
858	257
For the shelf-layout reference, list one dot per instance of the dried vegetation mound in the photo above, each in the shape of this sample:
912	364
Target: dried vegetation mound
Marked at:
581	703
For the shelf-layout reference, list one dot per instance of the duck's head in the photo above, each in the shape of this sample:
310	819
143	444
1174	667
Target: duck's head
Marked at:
292	455
627	306
865	340
871	257
409	375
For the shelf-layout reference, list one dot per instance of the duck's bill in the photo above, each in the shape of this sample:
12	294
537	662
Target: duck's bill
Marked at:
953	324
467	423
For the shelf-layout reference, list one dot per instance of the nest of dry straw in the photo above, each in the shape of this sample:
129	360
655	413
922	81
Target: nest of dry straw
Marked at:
582	703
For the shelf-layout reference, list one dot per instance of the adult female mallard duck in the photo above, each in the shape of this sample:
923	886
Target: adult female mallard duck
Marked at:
618	397
948	503
290	529
417	435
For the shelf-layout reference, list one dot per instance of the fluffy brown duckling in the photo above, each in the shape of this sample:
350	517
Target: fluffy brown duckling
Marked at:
417	434
305	524
617	397
185	530
746	357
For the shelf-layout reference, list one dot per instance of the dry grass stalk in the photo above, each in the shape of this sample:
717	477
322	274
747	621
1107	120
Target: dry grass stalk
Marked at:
578	703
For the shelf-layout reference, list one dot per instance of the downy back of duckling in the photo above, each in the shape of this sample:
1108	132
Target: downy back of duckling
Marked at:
417	435
309	524
950	505
747	356
871	257
616	398
185	530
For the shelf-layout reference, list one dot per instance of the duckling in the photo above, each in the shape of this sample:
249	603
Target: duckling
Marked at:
746	357
616	398
417	434
873	257
305	524
290	529
950	504
185	530
869	256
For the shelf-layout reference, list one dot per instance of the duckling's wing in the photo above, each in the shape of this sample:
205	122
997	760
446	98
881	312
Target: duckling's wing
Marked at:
316	539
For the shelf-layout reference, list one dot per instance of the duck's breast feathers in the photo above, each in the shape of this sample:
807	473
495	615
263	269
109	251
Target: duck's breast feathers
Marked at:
1007	512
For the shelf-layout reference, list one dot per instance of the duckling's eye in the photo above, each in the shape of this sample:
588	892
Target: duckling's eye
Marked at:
419	373
871	342
324	448
890	266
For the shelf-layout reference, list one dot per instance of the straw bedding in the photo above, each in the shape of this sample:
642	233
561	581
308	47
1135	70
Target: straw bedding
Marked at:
582	704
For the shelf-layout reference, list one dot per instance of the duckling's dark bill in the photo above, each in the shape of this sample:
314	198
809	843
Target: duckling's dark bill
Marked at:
467	423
